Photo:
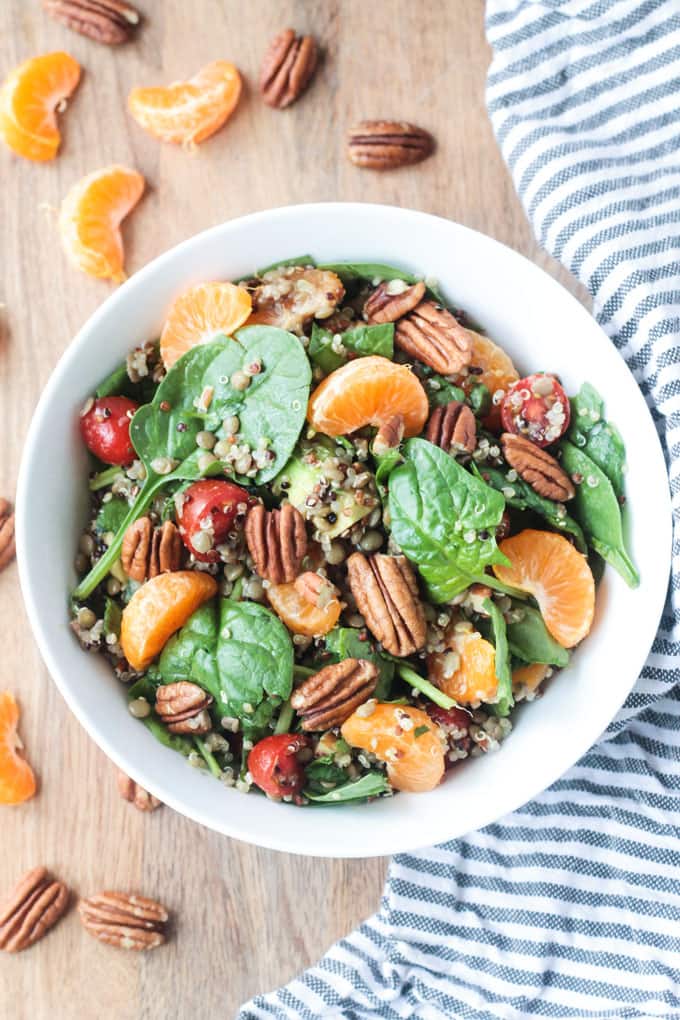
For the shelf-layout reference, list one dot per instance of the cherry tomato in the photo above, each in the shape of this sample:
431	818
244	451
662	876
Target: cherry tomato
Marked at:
105	429
537	408
210	510
449	717
274	766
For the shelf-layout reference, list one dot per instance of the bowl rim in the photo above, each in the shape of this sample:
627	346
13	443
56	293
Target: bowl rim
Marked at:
277	838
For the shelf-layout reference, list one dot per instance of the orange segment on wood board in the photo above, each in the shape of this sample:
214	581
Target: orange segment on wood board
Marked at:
17	780
368	391
467	671
90	218
199	314
558	576
188	112
299	614
29	100
159	608
402	736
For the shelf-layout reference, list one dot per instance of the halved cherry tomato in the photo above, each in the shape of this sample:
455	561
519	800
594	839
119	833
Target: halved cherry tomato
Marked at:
210	509
274	766
105	429
537	408
457	718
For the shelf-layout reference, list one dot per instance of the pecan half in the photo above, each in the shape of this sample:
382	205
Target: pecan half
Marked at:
432	335
290	296
183	707
388	302
331	695
106	21
7	546
537	468
277	541
148	551
388	144
386	595
453	428
125	921
287	68
136	794
34	905
389	435
315	589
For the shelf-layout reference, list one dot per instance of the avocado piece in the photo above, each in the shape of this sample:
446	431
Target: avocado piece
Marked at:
299	479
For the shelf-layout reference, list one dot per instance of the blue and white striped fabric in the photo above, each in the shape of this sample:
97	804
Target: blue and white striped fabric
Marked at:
569	907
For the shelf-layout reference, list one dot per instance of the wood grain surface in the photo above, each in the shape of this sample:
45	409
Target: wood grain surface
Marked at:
245	919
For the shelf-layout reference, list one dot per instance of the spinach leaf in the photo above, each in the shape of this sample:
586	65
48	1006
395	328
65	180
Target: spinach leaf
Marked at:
358	272
239	652
504	699
440	391
372	784
530	641
324	770
597	510
296	260
386	465
273	406
175	741
111	515
112	617
526	498
115	383
347	643
479	400
444	520
145	687
596	437
360	340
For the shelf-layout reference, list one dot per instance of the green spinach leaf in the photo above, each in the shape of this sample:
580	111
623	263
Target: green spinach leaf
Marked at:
352	273
444	520
479	400
597	510
440	391
596	437
347	643
175	741
324	770
296	260
504	699
360	340
111	515
530	641
372	784
112	617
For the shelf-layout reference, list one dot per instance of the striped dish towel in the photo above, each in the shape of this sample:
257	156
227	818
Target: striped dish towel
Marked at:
570	907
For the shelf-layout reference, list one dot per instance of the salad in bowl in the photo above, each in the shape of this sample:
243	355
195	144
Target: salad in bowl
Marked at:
335	537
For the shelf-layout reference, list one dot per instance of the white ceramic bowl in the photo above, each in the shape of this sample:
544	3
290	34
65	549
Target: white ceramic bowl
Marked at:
542	327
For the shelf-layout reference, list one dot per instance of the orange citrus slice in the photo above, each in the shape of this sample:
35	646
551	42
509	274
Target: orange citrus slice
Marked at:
17	781
498	371
299	614
402	736
467	672
199	314
188	112
558	576
367	391
529	677
159	608
90	218
29	99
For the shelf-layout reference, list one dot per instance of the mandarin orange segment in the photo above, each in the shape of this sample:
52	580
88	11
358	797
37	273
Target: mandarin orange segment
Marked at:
188	112
368	391
529	677
402	736
17	780
548	567
90	218
498	371
159	608
29	99
467	672
300	615
199	314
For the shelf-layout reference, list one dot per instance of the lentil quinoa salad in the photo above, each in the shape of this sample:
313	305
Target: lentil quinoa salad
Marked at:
334	538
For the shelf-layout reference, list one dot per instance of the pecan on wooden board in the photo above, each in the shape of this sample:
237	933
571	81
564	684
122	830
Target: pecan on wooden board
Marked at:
431	334
183	707
287	68
386	595
387	144
35	904
329	697
537	468
148	551
277	542
7	546
124	921
105	21
390	302
136	794
453	428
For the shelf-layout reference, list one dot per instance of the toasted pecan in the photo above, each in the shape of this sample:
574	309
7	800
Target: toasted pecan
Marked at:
123	920
537	468
35	904
277	542
434	336
387	303
148	551
386	594
388	144
287	68
453	428
183	707
331	695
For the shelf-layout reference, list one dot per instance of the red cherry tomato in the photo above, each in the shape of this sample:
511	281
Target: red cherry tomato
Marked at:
105	429
537	408
210	509
456	718
274	766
